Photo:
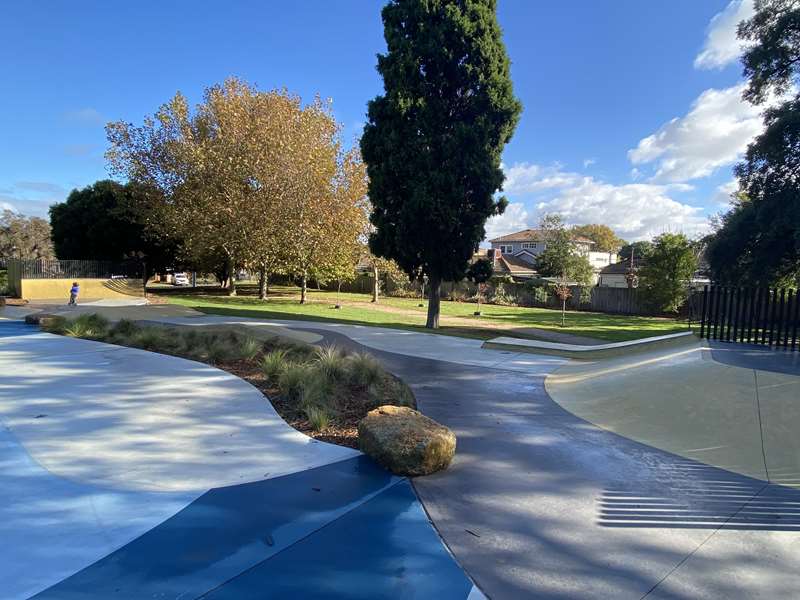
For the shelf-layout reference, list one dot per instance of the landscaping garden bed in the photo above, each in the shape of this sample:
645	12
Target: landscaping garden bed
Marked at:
321	391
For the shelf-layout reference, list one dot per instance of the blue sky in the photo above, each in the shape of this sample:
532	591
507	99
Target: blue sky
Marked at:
632	115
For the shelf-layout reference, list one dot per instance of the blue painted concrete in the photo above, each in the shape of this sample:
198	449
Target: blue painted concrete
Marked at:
51	527
386	548
15	328
230	530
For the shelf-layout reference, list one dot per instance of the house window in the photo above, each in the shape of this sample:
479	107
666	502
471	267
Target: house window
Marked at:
506	249
530	245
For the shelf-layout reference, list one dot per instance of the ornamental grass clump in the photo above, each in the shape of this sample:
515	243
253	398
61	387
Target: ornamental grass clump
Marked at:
275	363
318	417
332	363
250	348
364	370
291	381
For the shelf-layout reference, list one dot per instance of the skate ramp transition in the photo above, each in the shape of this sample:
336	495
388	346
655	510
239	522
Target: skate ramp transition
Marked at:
732	406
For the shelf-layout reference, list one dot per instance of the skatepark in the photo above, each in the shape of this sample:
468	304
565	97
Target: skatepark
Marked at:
667	473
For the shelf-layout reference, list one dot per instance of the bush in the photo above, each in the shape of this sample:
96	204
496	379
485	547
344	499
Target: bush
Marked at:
331	362
124	328
93	325
149	338
295	350
55	324
250	348
275	363
291	381
221	350
391	391
318	388
317	416
364	370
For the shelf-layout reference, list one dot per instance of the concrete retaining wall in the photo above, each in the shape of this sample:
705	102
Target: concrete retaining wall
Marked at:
94	289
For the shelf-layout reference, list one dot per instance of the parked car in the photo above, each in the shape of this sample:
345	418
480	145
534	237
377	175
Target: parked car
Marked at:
180	279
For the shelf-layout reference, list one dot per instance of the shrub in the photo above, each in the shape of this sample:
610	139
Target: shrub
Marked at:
124	328
76	330
291	381
318	388
149	338
275	363
317	416
295	350
90	326
221	350
364	370
391	391
249	348
55	325
331	362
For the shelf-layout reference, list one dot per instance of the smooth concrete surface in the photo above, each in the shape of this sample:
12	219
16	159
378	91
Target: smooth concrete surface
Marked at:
539	503
409	343
137	420
582	351
51	527
96	289
684	401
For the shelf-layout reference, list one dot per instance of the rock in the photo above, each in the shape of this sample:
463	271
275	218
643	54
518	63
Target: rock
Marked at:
405	441
42	319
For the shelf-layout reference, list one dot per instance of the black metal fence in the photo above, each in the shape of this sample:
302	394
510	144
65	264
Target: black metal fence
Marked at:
766	316
77	269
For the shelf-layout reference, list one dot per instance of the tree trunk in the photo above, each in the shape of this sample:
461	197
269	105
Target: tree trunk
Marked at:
434	287
563	311
262	284
232	278
303	289
375	284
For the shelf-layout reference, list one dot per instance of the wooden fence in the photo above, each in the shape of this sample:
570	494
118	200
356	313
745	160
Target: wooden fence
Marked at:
766	316
598	299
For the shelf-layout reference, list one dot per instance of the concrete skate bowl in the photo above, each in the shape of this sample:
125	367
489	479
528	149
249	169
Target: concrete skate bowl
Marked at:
731	406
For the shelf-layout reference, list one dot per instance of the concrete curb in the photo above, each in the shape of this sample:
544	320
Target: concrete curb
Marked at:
589	352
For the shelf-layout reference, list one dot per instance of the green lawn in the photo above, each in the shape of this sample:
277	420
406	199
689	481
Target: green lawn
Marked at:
404	313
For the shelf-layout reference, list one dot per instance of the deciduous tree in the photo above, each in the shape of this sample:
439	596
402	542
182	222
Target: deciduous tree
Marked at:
665	277
433	140
602	235
24	237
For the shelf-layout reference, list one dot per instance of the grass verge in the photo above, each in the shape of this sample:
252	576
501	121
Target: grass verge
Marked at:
405	313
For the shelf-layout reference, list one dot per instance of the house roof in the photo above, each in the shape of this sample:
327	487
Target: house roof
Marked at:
621	268
516	265
533	235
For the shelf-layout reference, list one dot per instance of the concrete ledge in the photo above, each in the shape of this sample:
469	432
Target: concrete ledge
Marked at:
588	352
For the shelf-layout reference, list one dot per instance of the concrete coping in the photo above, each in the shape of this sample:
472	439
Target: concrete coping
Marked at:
586	352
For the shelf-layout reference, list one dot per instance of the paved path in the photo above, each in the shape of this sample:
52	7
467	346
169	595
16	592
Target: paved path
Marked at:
540	503
130	474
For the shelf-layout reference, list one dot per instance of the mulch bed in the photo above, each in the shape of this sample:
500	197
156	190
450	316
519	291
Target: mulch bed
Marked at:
342	428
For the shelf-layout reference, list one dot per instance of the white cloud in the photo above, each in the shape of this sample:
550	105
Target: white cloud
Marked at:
588	162
714	133
635	211
6	206
527	178
722	47
514	218
723	193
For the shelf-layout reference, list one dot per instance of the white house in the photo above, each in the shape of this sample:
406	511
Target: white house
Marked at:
515	253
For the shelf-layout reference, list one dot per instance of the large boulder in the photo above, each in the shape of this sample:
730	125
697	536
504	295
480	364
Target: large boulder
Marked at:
405	441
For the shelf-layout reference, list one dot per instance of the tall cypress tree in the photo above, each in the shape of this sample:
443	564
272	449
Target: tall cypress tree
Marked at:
434	139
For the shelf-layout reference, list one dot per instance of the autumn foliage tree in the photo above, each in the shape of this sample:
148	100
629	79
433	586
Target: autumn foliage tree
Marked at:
255	177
